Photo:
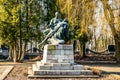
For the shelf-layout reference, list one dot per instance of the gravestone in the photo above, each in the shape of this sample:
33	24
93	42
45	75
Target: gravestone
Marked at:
58	60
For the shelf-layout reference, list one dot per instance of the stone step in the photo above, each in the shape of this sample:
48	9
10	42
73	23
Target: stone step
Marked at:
31	75
43	67
78	67
59	66
55	64
74	77
60	72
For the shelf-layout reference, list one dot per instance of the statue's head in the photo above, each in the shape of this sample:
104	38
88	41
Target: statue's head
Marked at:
56	14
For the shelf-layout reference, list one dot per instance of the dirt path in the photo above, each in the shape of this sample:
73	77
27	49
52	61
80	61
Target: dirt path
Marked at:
107	68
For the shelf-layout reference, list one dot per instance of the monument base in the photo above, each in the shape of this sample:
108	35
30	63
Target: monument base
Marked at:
58	60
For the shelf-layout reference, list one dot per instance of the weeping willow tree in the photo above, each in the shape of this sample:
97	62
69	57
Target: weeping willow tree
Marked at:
80	15
115	27
102	33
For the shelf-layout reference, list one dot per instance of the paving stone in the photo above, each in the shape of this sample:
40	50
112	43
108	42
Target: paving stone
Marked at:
4	71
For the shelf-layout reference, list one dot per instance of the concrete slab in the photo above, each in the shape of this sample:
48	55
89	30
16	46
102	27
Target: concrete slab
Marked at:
4	70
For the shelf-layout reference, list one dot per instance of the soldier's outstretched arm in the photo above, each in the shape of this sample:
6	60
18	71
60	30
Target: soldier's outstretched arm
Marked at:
46	38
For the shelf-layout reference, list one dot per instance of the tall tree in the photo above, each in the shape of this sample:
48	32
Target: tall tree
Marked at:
18	19
80	15
51	8
9	21
109	15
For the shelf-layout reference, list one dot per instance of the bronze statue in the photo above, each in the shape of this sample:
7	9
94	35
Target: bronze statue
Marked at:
58	32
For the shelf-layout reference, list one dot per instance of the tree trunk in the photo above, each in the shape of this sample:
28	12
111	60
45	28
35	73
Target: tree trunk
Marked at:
95	46
116	33
82	50
117	49
10	54
23	53
19	49
74	45
14	54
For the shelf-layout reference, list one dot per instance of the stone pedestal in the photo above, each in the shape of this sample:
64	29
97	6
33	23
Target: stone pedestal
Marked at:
58	60
58	54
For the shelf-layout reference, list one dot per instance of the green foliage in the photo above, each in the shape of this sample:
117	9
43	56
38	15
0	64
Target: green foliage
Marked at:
83	38
80	15
51	9
22	15
9	21
19	23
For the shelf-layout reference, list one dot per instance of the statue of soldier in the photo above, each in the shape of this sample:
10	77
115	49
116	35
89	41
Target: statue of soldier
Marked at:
53	22
59	35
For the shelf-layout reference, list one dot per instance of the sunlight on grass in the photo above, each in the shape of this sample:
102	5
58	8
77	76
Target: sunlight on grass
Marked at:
114	76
